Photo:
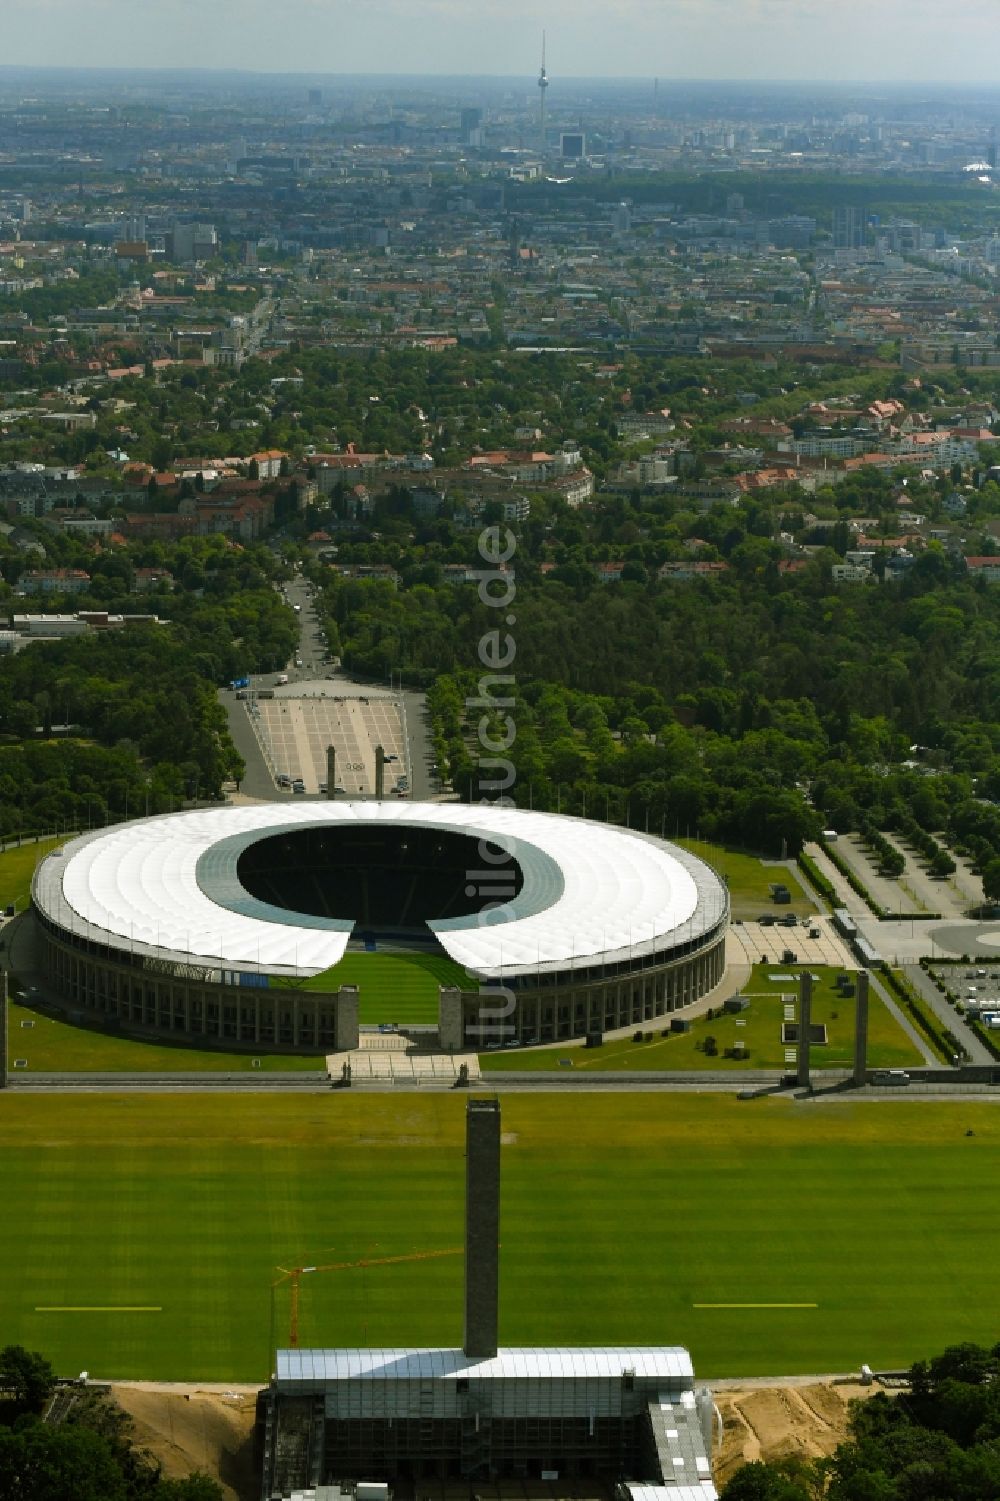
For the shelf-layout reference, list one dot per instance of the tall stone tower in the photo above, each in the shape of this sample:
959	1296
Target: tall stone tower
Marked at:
482	1228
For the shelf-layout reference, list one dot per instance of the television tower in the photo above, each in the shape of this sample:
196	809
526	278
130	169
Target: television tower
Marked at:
543	83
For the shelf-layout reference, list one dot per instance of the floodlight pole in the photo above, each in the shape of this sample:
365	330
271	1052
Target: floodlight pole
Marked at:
3	1028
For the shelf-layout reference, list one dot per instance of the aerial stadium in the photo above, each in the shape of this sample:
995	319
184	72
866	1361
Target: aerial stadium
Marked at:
220	925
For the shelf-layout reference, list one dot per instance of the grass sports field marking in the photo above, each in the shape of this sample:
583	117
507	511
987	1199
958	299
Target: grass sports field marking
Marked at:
589	1182
754	1305
93	1308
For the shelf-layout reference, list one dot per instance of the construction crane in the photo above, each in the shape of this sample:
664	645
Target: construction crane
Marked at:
293	1276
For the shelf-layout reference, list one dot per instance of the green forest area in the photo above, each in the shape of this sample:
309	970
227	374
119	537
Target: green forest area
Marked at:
752	707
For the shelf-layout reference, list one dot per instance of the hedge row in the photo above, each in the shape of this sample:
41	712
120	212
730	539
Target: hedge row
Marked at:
856	884
944	1042
988	1039
816	879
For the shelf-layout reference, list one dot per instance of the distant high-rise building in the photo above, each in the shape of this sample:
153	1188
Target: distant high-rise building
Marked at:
472	127
543	84
572	144
315	96
193	242
621	219
848	227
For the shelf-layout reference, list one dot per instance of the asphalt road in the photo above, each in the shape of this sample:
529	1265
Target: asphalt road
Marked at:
257	779
54	1084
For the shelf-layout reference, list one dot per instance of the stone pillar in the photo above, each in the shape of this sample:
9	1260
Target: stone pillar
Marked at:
482	1228
451	1029
805	1019
331	770
346	1029
861	1028
379	773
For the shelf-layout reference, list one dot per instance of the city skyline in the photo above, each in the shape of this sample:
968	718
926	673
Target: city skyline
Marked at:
762	40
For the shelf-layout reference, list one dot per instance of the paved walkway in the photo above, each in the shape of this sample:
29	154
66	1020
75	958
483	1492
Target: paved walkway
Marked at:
258	781
885	890
390	1057
931	895
920	1042
761	943
846	897
966	882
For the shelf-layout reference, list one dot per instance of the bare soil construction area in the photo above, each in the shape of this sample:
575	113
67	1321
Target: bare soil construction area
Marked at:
211	1428
196	1428
807	1419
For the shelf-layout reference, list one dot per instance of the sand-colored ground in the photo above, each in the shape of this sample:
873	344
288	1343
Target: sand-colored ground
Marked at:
773	1422
196	1428
211	1428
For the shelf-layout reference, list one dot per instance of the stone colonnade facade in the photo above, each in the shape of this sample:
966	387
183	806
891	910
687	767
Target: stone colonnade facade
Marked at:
533	1009
178	1001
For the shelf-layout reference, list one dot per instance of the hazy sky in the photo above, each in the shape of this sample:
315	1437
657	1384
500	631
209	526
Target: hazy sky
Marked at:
794	39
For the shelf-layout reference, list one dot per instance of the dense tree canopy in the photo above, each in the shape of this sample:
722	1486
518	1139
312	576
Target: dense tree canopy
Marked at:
752	707
146	730
88	1457
939	1441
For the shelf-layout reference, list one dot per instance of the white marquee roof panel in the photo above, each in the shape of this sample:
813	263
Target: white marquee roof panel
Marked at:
670	1364
622	894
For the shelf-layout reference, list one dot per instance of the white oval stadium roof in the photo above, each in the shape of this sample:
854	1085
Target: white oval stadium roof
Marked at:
591	891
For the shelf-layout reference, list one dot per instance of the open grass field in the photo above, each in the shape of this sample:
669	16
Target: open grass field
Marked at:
393	987
50	1045
759	1028
17	866
623	1218
749	880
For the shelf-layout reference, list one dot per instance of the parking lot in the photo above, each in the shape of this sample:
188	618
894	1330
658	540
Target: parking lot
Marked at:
976	986
916	892
303	719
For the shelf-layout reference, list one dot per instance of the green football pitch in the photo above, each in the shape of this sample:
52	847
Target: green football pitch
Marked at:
142	1235
392	986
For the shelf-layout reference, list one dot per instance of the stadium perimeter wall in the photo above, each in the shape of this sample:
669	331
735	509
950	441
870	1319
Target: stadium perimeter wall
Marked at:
177	1001
574	1003
167	1000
